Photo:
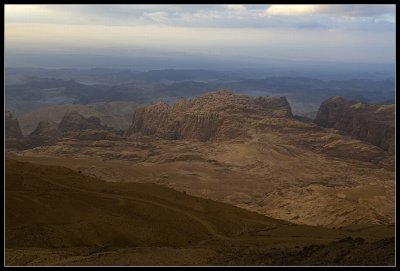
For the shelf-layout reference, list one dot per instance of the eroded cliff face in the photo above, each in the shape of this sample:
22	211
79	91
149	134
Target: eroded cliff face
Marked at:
46	133
73	121
275	165
215	115
75	126
12	128
373	123
14	138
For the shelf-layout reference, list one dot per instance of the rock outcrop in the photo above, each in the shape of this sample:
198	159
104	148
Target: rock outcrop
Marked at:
46	133
374	123
117	115
72	126
12	128
215	115
14	138
92	135
75	122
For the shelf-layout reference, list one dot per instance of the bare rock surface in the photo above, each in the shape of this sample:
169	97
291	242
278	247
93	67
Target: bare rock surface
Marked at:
248	152
215	115
374	123
46	133
13	129
117	115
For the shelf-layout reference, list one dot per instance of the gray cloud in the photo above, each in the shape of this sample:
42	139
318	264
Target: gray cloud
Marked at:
339	32
201	15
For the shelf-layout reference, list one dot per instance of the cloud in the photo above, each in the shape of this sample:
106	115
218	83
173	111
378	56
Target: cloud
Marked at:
362	10
237	8
251	30
158	16
289	10
253	16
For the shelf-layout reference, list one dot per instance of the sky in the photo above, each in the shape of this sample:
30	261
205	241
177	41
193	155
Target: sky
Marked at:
340	33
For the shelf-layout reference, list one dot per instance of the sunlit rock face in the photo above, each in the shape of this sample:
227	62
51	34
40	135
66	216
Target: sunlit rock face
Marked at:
216	115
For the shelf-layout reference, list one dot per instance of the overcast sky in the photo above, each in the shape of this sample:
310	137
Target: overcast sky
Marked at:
343	33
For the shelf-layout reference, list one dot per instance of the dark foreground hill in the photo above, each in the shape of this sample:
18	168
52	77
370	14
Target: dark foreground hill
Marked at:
57	216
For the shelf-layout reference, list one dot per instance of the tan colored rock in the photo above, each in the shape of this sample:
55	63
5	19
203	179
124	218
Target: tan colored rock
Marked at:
373	123
215	115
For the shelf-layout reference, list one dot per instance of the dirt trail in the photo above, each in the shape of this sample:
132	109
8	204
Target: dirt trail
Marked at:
121	199
208	227
203	222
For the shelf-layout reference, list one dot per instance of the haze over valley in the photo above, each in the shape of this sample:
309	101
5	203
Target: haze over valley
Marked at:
216	135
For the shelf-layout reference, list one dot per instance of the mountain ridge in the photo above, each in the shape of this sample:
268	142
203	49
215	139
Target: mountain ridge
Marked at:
374	123
213	115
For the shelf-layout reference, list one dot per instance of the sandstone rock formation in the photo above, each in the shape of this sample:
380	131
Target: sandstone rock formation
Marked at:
215	115
12	128
373	123
72	126
117	115
14	138
91	135
74	122
281	166
46	133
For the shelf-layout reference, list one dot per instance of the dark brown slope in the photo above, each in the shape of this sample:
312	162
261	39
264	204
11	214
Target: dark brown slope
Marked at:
56	216
373	123
214	115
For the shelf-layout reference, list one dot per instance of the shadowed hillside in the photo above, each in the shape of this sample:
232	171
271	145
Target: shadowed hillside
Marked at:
56	216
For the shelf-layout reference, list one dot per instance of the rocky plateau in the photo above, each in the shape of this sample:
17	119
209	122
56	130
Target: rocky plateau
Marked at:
248	152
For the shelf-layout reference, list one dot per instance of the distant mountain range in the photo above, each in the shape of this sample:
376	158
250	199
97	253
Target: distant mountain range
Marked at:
27	89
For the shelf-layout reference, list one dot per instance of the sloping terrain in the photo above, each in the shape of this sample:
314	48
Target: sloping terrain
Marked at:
56	216
13	129
12	132
374	123
256	157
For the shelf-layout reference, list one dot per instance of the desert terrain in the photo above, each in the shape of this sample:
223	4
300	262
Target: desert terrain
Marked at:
250	135
57	216
232	151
